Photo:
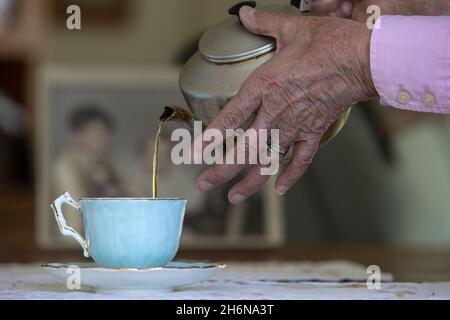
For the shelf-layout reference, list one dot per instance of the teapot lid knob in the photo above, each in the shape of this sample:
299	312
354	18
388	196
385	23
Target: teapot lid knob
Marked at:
234	10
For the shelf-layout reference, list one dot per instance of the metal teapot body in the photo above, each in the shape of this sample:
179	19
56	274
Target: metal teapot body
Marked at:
227	55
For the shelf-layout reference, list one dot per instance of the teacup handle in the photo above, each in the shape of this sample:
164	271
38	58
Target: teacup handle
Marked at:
66	230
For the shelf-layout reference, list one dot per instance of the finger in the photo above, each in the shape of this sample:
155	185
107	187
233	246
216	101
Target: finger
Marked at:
261	22
303	155
235	114
252	182
240	108
221	173
326	6
268	165
217	175
290	120
345	10
282	134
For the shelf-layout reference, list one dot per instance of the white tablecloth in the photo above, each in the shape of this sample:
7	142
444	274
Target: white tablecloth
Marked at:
238	281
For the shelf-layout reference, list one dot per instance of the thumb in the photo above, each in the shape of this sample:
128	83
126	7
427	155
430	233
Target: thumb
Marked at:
326	6
259	21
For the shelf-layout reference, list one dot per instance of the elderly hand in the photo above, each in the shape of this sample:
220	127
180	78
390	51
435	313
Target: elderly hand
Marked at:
357	9
320	68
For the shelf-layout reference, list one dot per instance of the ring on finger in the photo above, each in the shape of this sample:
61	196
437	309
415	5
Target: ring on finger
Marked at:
276	148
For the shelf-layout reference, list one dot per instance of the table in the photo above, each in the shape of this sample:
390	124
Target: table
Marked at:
406	264
253	280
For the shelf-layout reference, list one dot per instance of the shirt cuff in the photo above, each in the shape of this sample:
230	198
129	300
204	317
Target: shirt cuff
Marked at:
410	62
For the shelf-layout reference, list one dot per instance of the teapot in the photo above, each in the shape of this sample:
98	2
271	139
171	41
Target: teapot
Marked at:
227	55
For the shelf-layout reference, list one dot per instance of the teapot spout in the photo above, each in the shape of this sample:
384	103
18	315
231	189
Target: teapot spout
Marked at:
174	113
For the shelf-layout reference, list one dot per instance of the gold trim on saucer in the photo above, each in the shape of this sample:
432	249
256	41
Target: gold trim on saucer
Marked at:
65	266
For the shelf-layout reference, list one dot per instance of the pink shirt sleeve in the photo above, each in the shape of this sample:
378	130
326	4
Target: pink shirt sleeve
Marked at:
410	62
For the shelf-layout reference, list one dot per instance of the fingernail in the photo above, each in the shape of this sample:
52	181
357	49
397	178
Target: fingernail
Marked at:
246	12
204	186
347	7
237	198
281	190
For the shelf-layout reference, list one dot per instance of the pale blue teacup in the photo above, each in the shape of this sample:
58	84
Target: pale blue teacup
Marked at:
126	232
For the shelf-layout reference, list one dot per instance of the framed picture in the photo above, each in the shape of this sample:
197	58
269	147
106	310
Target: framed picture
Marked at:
95	132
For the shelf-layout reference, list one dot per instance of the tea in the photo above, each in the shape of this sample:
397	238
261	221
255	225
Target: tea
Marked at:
170	113
156	160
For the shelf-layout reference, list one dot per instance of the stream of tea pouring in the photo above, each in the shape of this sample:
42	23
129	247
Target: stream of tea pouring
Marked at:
170	113
174	113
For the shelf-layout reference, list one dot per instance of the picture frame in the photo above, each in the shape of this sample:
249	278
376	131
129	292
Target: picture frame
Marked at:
61	89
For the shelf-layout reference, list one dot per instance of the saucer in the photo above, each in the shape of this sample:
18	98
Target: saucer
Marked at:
152	279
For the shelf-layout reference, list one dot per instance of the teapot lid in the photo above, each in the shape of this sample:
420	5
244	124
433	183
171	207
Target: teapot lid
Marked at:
229	41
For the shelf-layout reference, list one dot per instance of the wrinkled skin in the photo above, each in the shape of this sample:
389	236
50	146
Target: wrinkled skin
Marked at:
356	9
320	68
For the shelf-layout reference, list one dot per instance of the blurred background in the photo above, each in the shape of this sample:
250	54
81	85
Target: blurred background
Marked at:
383	185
